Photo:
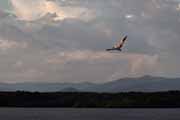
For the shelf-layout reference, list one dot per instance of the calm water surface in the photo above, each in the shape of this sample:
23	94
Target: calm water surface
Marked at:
88	114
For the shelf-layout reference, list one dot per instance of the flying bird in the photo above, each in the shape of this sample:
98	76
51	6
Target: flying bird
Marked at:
119	45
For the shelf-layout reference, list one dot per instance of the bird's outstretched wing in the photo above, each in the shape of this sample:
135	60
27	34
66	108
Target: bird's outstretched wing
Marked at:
121	43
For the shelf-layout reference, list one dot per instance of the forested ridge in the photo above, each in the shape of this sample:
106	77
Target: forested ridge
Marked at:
91	100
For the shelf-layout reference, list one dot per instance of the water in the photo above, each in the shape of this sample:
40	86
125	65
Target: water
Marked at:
88	114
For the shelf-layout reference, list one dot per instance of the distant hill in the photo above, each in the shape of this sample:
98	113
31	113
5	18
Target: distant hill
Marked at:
69	89
142	84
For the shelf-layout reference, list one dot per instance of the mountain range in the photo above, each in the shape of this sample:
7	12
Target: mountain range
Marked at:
140	84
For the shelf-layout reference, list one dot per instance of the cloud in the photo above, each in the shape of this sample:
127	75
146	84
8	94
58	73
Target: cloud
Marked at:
144	64
139	63
29	74
3	14
32	10
7	44
178	7
85	55
65	41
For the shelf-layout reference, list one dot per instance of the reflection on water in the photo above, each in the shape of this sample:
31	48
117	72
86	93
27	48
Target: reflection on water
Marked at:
88	114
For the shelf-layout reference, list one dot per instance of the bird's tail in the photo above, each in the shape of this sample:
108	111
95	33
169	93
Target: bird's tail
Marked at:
109	49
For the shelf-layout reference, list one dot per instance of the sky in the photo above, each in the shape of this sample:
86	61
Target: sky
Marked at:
65	40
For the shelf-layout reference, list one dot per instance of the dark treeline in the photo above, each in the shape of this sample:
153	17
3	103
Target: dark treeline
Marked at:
169	99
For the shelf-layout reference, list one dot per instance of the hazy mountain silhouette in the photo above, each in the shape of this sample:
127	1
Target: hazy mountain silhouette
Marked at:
144	84
70	89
